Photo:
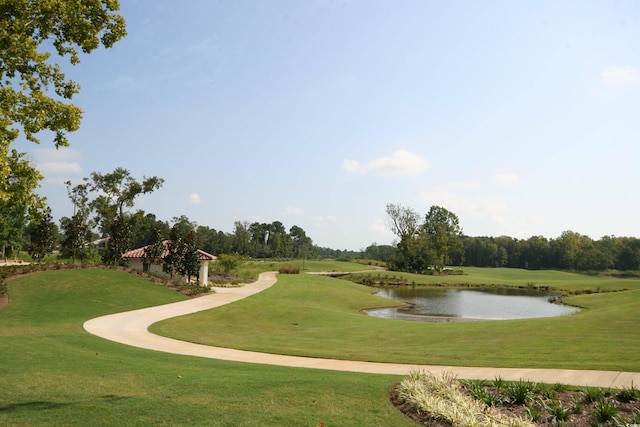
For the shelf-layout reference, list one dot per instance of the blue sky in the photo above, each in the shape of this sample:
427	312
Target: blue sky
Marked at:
522	117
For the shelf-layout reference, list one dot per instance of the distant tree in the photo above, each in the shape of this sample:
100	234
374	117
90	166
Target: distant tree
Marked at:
43	237
279	241
118	190
75	233
229	262
182	252
155	248
119	240
190	265
212	241
240	237
379	252
442	231
301	243
144	227
258	238
404	222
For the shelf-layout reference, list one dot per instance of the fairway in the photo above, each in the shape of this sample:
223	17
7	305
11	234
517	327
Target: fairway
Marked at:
305	315
54	373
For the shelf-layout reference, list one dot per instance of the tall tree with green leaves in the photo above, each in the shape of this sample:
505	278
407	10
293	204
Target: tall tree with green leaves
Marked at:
34	92
156	248
117	190
43	237
442	231
182	256
425	247
21	204
76	233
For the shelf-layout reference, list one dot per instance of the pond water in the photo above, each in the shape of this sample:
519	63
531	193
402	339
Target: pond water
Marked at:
446	304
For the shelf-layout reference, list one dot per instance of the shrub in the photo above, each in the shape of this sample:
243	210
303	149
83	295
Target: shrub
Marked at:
605	410
520	392
228	262
557	411
288	269
592	394
626	395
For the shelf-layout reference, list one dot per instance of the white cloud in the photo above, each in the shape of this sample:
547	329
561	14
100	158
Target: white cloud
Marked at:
57	162
505	178
620	75
449	201
379	226
324	219
194	198
59	168
294	211
351	166
400	163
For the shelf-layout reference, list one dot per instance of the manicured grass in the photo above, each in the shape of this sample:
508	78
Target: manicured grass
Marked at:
560	280
329	265
318	316
52	372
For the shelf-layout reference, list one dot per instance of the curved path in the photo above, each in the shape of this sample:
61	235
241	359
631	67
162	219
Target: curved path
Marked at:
131	328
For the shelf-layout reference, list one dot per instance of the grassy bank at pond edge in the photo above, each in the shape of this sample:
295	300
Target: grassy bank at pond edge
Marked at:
318	316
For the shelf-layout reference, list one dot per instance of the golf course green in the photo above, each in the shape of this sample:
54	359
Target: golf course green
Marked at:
52	372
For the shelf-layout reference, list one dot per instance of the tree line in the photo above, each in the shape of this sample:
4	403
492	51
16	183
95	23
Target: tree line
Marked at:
101	226
428	245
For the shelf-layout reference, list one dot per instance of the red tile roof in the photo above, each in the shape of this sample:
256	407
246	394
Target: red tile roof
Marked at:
139	253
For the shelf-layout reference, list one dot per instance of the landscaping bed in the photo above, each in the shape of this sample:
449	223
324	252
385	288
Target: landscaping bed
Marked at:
445	402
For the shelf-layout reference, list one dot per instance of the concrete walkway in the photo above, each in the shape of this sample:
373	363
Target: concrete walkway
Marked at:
131	328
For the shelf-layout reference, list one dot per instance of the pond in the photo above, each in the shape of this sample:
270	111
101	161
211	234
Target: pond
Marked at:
447	304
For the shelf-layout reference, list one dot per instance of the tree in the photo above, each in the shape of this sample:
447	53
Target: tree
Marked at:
118	190
28	75
119	239
43	237
155	249
279	241
190	264
302	244
75	232
240	237
442	231
425	247
402	221
182	252
229	262
21	204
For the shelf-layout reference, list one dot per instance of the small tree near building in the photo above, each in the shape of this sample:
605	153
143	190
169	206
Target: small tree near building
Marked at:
43	237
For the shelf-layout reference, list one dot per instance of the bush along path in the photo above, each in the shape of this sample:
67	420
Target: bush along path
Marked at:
131	328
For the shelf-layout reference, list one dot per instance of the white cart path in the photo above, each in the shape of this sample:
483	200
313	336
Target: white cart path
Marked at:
131	328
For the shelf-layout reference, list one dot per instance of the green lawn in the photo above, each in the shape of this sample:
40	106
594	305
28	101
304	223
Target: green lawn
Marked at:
318	316
52	372
559	280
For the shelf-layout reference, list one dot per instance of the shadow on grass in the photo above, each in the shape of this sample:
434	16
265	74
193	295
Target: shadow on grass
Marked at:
31	406
43	406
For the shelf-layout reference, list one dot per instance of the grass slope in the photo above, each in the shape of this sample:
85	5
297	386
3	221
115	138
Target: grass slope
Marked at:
52	372
318	316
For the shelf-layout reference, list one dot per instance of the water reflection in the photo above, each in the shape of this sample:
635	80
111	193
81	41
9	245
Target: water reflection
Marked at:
445	304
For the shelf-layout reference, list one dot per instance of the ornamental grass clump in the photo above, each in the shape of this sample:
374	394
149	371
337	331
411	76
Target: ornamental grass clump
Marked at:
442	398
289	269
